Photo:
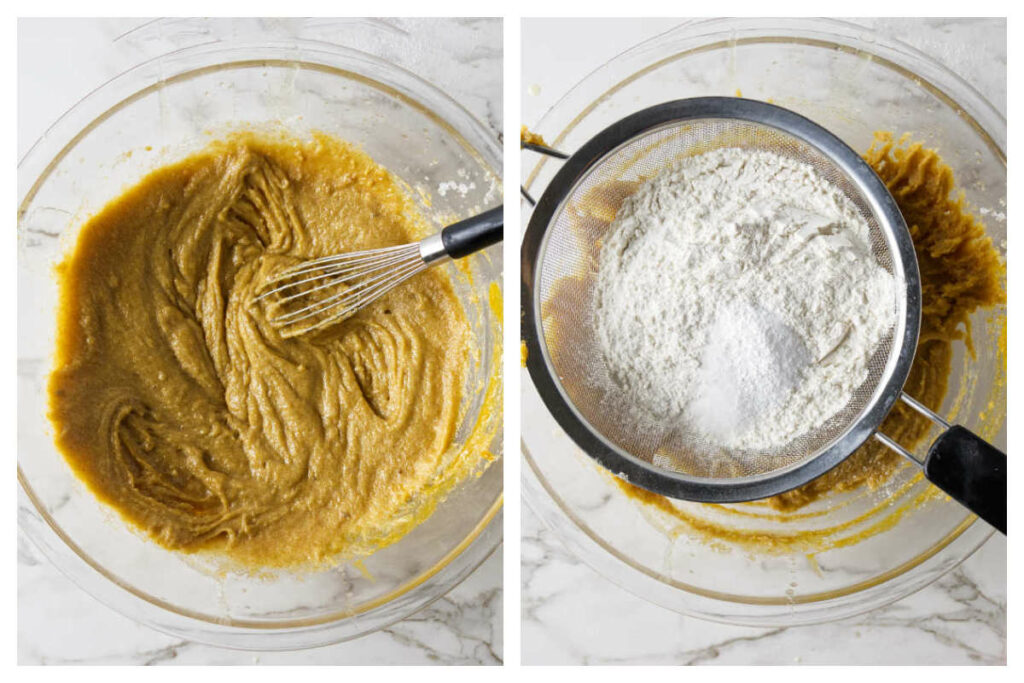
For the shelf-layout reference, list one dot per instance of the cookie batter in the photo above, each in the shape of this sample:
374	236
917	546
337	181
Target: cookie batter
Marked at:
180	406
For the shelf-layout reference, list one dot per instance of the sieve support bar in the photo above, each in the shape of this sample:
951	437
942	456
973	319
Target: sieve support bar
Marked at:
892	445
543	149
923	409
963	465
540	149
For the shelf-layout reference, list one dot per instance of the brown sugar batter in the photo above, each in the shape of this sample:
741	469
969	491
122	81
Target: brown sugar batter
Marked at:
527	136
181	407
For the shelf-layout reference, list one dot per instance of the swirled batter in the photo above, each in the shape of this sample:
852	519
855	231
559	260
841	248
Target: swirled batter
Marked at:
180	406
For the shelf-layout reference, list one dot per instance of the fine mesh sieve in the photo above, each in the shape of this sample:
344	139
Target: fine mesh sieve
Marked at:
560	252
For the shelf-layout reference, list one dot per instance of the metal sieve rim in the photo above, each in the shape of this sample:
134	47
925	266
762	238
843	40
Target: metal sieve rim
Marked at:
609	455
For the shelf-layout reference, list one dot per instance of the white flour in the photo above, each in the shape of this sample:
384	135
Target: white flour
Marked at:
737	299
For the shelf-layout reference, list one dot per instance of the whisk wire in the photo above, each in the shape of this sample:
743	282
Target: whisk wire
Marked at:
385	255
332	266
346	309
334	274
367	287
333	287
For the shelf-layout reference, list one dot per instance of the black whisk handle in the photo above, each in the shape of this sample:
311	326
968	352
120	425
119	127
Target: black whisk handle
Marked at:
474	233
972	472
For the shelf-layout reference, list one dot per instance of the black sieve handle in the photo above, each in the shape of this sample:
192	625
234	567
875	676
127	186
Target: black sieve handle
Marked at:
972	472
474	233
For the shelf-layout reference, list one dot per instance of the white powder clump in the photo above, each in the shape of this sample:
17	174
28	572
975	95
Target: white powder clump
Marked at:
758	361
449	185
737	299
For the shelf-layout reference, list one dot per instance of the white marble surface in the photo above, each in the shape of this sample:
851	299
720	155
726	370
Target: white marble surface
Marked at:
573	615
58	63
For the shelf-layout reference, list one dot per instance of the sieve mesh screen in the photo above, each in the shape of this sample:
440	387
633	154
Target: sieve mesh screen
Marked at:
567	270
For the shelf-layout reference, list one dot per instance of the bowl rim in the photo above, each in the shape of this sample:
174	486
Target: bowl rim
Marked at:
811	31
123	89
703	35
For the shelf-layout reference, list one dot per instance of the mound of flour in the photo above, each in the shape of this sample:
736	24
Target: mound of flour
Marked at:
737	299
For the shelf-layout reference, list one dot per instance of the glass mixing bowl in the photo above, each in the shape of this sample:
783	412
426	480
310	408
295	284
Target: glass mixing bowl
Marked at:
881	545
158	112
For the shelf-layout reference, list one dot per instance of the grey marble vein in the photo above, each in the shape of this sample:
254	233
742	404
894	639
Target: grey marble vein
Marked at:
571	614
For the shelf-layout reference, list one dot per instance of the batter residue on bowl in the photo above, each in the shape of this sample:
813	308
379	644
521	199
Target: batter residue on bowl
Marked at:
180	406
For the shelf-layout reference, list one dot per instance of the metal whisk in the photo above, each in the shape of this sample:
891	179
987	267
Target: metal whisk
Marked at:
317	293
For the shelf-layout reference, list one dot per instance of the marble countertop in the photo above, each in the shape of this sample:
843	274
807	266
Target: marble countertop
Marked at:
573	615
59	62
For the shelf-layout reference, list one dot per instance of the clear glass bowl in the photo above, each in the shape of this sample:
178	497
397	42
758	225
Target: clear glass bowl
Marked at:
884	544
160	111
